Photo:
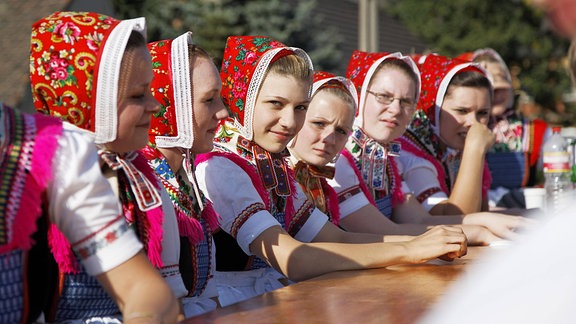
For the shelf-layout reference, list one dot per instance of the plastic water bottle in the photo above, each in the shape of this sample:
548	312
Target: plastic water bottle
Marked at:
557	173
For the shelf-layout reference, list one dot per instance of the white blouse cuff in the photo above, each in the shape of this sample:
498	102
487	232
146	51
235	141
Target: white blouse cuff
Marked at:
254	226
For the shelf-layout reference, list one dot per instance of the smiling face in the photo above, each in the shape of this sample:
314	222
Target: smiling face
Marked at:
326	129
280	111
207	103
386	122
135	101
461	108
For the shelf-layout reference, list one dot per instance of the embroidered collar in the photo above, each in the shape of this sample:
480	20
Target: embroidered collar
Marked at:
373	158
309	177
272	167
145	194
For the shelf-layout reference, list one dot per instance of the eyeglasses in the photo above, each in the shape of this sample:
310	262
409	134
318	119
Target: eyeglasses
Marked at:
384	99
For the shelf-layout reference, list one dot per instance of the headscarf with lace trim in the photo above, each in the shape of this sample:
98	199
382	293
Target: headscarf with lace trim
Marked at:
312	178
508	127
173	127
422	137
75	60
245	62
375	160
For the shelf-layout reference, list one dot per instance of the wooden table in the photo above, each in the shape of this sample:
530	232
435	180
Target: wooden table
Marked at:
397	295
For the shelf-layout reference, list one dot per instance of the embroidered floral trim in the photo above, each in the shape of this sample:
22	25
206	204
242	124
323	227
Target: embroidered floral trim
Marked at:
376	166
427	193
100	239
243	217
170	270
348	193
300	217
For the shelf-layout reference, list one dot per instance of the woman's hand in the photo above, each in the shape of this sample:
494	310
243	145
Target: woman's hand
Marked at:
479	235
444	242
502	225
480	137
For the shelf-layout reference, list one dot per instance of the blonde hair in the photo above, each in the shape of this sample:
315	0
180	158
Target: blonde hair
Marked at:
336	89
292	65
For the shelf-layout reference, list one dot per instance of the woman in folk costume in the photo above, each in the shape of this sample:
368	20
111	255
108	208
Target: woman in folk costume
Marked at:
50	175
318	144
187	84
448	137
94	72
519	140
270	230
388	85
367	178
317	147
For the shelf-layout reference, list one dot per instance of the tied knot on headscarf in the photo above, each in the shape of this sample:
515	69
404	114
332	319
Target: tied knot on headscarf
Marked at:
309	177
374	159
145	193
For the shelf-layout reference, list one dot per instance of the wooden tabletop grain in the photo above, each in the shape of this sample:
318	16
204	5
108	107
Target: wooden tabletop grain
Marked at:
397	294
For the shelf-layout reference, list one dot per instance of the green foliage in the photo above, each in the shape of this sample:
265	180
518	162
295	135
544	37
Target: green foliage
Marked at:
212	21
512	27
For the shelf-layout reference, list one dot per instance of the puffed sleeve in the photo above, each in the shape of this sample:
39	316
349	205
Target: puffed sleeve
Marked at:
84	207
422	179
242	210
234	197
347	185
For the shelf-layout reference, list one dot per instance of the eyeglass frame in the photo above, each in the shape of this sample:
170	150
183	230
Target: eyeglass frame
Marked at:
385	99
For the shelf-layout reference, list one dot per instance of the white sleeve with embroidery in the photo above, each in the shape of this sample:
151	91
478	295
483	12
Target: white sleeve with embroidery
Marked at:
347	185
84	207
420	175
234	197
241	208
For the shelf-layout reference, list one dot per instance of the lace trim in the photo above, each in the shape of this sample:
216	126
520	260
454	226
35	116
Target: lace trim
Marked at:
180	66
254	86
106	120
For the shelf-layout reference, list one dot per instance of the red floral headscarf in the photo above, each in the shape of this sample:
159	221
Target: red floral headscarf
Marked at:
75	67
245	63
361	69
436	73
172	87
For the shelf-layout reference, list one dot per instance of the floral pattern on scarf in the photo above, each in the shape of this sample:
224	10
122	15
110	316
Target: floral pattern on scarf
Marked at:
245	62
73	68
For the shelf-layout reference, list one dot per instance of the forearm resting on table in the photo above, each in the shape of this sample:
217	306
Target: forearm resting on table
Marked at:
301	261
369	219
140	292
